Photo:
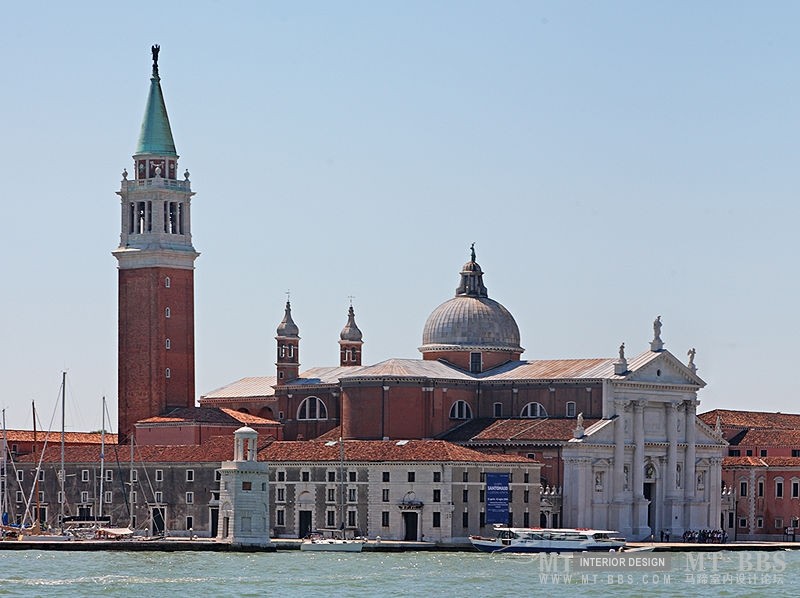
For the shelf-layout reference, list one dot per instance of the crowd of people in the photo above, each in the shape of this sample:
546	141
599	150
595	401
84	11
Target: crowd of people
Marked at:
706	536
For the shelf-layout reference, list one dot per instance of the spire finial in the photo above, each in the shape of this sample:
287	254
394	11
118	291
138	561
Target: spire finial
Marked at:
351	297
472	251
155	50
288	295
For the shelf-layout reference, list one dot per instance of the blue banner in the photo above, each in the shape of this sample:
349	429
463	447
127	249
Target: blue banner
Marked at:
496	498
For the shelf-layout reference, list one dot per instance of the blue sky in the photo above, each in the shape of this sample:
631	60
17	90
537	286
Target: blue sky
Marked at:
612	161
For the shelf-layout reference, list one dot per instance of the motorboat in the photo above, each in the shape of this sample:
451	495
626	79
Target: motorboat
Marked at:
523	539
318	542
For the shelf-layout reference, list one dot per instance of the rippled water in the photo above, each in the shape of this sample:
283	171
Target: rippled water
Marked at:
294	573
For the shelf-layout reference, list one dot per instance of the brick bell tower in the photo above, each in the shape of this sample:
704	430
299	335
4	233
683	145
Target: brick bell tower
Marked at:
156	275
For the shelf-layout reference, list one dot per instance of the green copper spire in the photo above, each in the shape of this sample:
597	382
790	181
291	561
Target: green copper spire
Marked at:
156	135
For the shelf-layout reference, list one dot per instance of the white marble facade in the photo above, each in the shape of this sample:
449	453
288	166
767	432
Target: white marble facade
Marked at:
649	465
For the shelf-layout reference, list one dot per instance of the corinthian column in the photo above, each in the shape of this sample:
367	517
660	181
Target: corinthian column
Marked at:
691	450
638	457
619	449
672	449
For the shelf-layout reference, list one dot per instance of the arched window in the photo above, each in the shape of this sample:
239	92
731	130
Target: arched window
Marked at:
533	410
312	408
570	408
460	410
168	373
167	313
166	282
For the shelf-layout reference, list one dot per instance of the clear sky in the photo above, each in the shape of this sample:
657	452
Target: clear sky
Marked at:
613	161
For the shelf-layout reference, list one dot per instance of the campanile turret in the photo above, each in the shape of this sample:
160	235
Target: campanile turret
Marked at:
156	274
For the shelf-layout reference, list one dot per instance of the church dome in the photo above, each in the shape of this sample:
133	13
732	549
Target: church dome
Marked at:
471	320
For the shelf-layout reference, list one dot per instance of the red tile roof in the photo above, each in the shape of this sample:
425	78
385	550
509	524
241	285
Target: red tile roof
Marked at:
69	437
751	419
743	462
791	462
220	448
767	438
216	449
381	451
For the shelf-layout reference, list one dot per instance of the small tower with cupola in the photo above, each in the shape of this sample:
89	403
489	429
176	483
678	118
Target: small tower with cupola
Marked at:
244	494
288	338
156	274
350	341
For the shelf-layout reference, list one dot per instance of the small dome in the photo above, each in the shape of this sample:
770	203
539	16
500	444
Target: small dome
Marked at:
245	430
350	332
287	327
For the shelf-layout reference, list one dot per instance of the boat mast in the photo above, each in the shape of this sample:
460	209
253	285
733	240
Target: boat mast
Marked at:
130	481
3	477
102	457
342	485
35	518
61	475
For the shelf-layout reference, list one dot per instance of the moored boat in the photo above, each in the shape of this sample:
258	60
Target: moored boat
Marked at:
523	539
318	543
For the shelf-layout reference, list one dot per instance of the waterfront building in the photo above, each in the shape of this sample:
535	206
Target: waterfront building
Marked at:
400	490
393	489
761	473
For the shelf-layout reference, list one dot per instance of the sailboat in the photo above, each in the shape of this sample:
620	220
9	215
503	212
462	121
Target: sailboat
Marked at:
334	540
35	533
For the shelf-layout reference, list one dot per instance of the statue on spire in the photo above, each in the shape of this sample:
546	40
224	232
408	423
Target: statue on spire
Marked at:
155	50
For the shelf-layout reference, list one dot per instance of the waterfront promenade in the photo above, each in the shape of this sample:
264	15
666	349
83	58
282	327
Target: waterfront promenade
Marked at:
282	544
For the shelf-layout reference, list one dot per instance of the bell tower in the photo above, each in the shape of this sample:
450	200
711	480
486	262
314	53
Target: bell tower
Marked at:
156	274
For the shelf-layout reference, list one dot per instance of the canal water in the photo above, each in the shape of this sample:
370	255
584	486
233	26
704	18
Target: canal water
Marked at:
455	575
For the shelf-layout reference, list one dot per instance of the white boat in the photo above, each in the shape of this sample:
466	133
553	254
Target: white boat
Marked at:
524	539
318	542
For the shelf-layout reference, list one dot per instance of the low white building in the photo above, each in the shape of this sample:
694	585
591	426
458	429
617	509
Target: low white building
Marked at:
397	490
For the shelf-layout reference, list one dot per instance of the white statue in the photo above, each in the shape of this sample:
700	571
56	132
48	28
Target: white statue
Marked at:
657	329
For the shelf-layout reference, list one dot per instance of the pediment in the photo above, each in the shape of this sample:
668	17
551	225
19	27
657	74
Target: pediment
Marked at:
661	367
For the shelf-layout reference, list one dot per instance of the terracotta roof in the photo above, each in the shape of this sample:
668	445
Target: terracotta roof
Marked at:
516	430
333	434
743	462
380	451
69	437
793	462
216	449
782	461
773	437
751	419
208	415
